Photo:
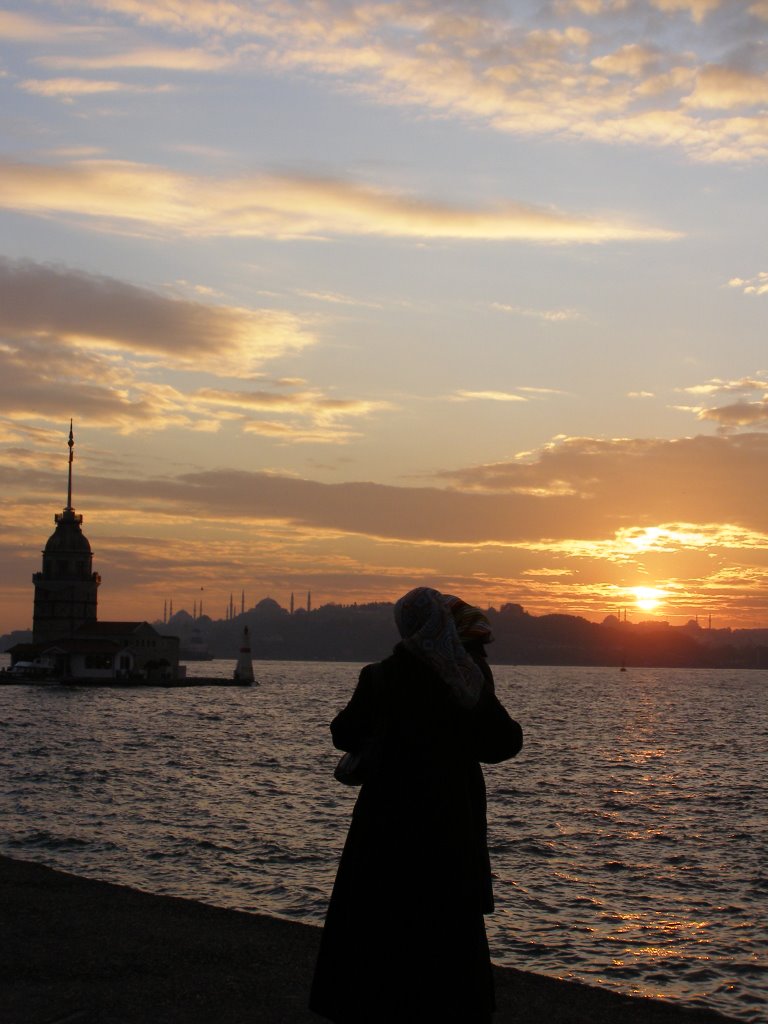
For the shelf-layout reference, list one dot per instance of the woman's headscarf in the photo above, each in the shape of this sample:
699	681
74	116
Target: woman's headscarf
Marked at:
429	632
471	623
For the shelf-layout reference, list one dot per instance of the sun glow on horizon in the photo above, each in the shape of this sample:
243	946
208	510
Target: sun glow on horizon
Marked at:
648	599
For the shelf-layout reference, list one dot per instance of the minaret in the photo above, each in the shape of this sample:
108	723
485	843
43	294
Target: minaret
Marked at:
66	589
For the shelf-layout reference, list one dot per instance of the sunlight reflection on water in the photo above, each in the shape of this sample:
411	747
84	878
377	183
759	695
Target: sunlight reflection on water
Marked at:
628	840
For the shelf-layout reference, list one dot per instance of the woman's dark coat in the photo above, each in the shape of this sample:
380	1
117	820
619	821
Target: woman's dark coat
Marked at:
404	938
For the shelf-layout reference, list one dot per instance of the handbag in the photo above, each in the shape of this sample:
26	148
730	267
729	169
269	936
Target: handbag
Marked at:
350	771
358	766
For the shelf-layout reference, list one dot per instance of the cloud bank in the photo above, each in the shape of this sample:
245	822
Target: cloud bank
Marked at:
578	490
577	525
578	73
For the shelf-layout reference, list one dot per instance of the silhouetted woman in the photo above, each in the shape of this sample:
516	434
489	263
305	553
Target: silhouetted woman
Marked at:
404	938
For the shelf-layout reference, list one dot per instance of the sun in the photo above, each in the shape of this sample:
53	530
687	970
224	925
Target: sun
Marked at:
648	599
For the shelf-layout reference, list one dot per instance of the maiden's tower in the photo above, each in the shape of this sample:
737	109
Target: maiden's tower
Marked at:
66	589
68	641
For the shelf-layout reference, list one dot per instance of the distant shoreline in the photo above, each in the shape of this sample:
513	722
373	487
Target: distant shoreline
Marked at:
365	633
545	663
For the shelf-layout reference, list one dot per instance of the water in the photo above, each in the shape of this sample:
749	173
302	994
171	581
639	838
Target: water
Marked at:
629	840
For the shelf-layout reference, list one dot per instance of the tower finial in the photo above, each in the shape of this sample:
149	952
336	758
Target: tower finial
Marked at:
71	443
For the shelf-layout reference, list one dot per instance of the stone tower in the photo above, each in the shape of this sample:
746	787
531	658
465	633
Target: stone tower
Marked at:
65	590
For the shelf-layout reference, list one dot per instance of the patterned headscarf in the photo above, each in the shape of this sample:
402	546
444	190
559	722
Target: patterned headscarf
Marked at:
471	623
429	632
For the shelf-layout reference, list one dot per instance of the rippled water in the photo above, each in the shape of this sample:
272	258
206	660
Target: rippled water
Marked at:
629	839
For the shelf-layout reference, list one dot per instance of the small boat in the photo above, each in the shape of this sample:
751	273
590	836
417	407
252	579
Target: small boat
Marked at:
196	648
38	672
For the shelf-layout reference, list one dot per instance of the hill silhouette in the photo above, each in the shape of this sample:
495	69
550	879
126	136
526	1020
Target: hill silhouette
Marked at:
366	632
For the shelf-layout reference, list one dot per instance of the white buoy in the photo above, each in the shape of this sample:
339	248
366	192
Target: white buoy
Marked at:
244	670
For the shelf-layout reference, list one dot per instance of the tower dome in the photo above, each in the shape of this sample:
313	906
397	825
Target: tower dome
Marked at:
68	536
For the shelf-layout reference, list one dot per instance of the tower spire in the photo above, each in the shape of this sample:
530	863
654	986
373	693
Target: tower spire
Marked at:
71	443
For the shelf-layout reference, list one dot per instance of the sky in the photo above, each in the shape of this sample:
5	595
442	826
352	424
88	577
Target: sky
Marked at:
345	298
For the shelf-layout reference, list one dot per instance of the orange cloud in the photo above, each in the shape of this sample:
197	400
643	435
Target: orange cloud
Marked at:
738	414
698	9
757	285
728	88
632	59
722	387
288	400
69	88
22	28
161	200
551	315
38	380
489	396
168	59
734	415
699	479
